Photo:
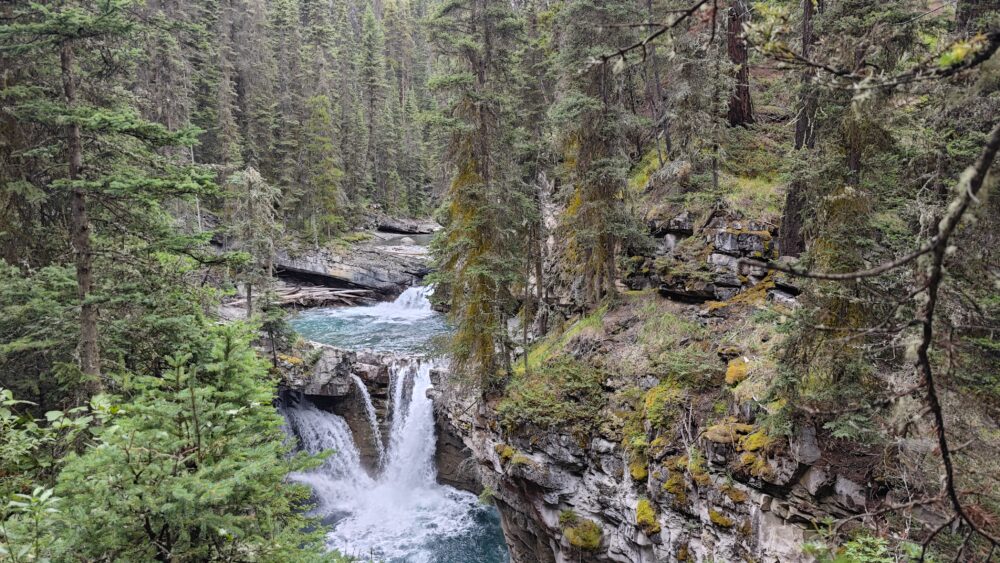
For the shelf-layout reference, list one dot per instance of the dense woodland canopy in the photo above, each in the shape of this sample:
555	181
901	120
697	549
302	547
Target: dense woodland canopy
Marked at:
547	137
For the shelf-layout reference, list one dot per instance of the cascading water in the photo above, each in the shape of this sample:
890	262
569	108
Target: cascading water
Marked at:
404	325
403	514
372	417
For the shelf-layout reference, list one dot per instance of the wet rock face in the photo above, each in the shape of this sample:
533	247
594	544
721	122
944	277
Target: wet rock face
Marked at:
324	376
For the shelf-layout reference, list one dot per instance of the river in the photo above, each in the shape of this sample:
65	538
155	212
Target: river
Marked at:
402	514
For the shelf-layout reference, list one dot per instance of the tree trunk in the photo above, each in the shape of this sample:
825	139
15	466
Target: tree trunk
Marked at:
790	239
740	105
90	357
249	300
805	135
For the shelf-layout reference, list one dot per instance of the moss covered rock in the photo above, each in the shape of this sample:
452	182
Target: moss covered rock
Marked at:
645	517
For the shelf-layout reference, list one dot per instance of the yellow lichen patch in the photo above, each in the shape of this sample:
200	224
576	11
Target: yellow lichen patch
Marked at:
719	519
639	470
505	452
727	432
734	494
737	371
645	517
294	360
758	440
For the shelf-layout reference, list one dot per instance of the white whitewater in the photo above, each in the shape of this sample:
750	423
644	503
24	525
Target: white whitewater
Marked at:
412	305
372	417
403	514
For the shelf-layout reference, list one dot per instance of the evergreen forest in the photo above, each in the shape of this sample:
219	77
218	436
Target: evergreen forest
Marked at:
696	280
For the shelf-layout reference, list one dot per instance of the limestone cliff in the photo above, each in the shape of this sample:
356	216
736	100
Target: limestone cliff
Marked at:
629	434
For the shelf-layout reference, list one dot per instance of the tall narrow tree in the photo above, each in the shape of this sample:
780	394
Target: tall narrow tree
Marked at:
81	53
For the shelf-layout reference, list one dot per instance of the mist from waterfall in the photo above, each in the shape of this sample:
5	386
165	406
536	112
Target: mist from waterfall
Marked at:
402	514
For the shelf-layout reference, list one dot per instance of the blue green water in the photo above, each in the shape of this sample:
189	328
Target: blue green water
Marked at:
401	515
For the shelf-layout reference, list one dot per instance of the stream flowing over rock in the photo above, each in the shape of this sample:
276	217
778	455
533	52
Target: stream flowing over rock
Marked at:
381	489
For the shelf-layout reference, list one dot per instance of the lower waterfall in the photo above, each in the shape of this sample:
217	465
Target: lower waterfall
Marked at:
402	514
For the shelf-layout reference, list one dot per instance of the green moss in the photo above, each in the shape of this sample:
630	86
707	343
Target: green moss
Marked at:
719	519
727	432
568	517
758	440
505	452
737	371
755	465
583	534
521	459
645	517
662	403
638	469
676	486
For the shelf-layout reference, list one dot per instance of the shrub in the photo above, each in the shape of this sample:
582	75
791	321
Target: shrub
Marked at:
563	393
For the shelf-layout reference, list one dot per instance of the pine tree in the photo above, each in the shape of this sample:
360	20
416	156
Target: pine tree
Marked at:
80	51
480	250
192	467
594	122
374	88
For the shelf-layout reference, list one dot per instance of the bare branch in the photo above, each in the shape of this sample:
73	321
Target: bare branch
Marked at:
664	27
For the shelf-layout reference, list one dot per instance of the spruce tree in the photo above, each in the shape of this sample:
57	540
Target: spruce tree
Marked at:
593	122
81	52
486	210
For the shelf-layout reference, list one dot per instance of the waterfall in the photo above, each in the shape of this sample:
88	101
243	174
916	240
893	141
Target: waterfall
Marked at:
403	514
372	417
411	459
319	431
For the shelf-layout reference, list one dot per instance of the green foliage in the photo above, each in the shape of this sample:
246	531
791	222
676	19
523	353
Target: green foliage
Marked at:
193	466
36	358
863	549
563	393
582	533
